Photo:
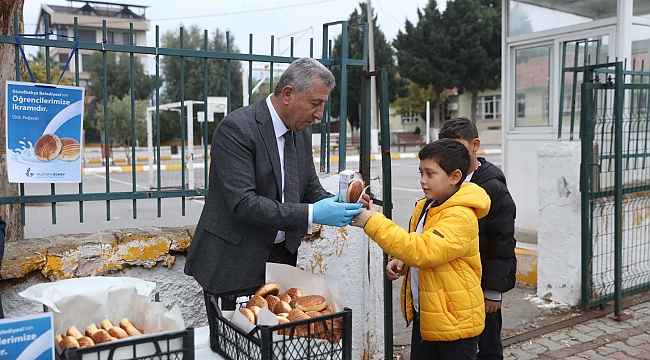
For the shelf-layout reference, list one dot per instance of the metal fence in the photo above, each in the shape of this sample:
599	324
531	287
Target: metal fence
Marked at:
615	180
198	170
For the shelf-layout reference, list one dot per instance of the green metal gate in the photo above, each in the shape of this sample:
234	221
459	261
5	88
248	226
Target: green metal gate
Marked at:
615	182
159	192
156	52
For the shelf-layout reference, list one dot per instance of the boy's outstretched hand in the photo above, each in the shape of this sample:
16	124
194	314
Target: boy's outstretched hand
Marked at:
394	268
367	211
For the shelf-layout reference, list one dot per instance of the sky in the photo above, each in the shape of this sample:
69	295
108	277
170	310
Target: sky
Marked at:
262	18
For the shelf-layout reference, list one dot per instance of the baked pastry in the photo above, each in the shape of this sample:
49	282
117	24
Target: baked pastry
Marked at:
310	303
336	329
295	313
106	324
130	328
328	310
257	300
320	330
248	313
74	332
91	329
268	289
302	330
281	307
271	301
355	189
294	293
68	341
284	297
85	341
47	147
58	338
101	336
281	319
118	332
70	149
313	314
256	311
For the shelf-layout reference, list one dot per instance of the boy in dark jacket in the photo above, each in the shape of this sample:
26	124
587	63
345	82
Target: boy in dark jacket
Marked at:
496	236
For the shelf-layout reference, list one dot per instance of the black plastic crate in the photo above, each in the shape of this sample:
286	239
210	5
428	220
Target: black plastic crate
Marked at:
327	337
171	345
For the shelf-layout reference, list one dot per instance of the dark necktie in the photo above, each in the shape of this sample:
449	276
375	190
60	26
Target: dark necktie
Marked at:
291	186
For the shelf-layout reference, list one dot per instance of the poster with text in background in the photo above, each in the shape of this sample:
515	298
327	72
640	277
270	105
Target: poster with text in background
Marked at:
27	338
44	129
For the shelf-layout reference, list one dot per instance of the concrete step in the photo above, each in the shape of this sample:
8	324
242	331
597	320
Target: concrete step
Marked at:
526	253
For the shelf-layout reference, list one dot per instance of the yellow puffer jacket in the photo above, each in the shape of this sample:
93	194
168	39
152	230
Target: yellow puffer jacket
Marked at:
446	255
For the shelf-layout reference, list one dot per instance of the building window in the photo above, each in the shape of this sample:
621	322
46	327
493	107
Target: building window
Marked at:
410	118
61	59
521	105
85	62
125	36
110	37
62	30
87	35
532	79
489	107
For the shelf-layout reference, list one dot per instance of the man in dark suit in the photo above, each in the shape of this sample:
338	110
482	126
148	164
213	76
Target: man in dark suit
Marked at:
246	220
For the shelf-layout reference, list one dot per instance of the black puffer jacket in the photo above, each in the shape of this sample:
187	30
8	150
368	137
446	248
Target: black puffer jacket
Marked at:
496	230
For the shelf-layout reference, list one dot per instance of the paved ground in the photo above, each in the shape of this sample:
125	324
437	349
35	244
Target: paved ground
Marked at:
522	312
598	339
602	338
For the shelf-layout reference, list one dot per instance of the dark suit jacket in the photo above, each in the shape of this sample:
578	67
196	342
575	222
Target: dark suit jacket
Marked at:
243	210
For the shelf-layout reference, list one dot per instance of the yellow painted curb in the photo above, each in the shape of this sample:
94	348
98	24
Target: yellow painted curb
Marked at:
526	266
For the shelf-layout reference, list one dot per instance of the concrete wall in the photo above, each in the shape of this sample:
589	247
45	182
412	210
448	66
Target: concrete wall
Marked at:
521	170
342	256
559	233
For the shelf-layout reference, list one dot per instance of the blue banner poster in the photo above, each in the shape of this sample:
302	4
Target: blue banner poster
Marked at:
27	338
44	127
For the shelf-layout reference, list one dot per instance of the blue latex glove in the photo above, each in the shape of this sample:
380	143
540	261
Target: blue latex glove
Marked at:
331	212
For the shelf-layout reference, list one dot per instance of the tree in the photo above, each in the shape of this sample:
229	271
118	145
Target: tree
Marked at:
118	79
384	58
38	65
118	85
416	100
119	122
474	27
10	213
423	54
194	79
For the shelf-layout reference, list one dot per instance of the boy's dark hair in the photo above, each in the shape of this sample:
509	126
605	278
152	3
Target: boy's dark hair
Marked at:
458	128
449	155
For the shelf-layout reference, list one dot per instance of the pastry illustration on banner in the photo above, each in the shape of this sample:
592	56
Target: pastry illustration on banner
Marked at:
44	129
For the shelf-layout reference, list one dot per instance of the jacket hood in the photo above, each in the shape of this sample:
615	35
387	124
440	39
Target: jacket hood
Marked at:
469	195
486	172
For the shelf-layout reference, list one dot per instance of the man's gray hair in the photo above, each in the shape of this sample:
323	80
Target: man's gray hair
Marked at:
301	75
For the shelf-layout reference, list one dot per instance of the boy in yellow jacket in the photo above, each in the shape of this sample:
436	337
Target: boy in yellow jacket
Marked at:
441	293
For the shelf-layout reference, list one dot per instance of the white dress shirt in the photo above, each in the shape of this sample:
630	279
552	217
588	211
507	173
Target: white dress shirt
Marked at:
280	129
